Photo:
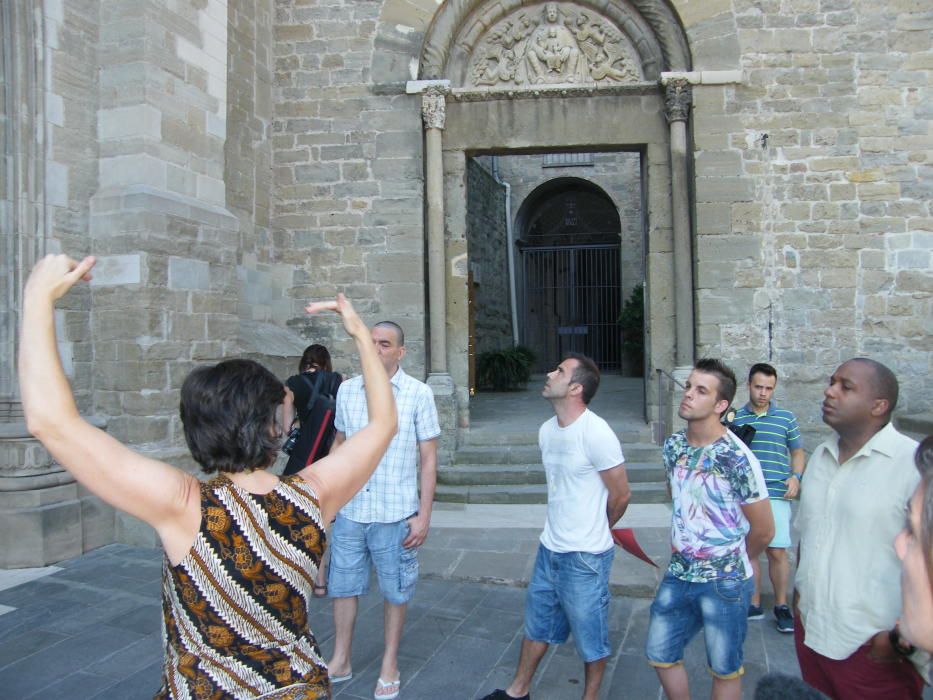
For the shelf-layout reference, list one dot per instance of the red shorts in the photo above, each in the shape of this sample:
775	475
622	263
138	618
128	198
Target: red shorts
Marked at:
858	677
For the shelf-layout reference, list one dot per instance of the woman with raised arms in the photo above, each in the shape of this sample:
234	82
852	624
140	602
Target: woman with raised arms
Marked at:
241	550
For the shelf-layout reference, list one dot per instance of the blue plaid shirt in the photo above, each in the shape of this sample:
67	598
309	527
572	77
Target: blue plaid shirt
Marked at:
391	494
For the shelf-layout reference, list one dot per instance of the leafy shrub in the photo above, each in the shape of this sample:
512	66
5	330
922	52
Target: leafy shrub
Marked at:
632	323
504	370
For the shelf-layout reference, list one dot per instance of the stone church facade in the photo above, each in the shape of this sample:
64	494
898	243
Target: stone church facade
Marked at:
226	160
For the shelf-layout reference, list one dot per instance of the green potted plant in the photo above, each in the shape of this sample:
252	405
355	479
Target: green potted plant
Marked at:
504	370
632	325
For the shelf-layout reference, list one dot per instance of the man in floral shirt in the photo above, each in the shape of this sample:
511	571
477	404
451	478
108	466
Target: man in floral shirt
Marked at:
721	517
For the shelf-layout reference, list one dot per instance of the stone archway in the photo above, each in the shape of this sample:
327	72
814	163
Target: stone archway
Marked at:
500	77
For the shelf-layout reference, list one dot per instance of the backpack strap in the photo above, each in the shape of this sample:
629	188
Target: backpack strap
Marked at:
315	391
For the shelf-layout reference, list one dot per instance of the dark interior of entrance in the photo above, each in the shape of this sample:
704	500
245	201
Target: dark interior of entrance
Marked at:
571	271
556	247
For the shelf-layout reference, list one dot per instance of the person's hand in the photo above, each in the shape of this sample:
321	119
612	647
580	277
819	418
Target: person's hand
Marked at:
418	526
793	487
54	275
351	321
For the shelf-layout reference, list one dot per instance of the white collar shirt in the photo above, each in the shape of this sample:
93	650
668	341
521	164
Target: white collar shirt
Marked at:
391	494
848	575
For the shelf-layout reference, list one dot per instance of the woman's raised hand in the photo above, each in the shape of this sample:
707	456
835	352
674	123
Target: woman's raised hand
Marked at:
54	275
351	321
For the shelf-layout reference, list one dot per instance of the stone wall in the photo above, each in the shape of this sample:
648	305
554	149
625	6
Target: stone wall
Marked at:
813	190
487	243
72	35
348	180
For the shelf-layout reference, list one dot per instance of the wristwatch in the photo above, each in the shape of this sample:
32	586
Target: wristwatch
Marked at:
799	475
901	645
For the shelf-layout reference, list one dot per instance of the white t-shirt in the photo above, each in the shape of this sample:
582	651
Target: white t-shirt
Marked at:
576	495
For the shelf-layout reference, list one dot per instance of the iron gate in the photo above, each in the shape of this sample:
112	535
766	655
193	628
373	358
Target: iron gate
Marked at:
571	302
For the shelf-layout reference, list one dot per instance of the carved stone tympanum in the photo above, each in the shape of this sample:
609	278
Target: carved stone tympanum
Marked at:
552	44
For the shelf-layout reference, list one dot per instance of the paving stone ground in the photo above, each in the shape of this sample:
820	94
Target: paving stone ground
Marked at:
91	629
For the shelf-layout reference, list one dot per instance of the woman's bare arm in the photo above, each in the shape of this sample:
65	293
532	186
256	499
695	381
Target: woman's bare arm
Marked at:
153	491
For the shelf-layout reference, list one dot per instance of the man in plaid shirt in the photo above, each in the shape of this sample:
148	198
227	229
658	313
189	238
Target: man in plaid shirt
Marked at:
386	521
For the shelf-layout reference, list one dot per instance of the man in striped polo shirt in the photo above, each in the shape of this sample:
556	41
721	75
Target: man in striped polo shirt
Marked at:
778	447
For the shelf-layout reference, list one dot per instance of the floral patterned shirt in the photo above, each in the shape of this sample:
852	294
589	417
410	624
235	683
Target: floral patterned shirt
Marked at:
709	485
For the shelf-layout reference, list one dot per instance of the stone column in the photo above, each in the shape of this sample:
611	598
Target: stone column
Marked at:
677	100
433	113
45	516
22	178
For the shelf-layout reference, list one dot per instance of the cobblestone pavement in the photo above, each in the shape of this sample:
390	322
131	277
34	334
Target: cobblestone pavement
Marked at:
91	629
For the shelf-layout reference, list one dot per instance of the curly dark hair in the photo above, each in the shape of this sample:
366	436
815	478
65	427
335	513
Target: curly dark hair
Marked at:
228	412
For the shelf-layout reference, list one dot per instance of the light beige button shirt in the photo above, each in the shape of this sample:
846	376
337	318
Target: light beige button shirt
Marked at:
848	575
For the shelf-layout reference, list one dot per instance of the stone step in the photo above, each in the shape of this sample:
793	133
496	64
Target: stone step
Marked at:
490	475
488	438
530	454
653	492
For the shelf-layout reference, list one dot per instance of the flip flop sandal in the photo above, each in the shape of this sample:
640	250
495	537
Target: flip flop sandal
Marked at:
334	680
387	693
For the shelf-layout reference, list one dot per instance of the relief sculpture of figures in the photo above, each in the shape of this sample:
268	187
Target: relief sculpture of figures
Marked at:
552	53
603	50
561	45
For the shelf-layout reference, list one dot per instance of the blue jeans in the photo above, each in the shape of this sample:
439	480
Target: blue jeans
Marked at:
569	592
354	546
681	608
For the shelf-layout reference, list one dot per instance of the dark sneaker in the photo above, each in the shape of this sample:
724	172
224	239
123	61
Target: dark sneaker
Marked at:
500	694
755	612
785	619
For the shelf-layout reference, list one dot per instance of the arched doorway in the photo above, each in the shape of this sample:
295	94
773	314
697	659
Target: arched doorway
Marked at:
570	253
556	77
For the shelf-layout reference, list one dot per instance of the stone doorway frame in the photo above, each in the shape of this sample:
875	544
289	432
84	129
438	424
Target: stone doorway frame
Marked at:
650	116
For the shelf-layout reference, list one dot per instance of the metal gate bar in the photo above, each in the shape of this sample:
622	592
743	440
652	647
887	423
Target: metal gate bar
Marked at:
571	302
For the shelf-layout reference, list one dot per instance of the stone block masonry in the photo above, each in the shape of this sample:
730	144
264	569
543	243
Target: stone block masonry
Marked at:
821	155
348	173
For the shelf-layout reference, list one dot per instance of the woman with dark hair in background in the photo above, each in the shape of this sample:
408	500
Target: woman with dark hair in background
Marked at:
318	381
241	550
315	392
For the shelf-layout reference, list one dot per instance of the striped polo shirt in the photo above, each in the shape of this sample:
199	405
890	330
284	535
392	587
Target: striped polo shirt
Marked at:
776	434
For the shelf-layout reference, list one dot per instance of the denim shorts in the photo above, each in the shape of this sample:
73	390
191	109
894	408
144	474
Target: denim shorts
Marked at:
681	608
354	546
569	592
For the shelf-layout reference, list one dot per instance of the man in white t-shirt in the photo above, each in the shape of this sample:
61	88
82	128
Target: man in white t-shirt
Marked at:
588	492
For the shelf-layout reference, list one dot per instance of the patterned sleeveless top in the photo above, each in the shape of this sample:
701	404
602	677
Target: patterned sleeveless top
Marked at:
236	607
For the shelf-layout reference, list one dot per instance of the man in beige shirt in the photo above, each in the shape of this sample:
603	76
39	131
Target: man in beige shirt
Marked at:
848	574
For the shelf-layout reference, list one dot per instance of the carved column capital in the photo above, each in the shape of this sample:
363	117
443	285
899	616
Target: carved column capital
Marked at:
678	96
434	108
